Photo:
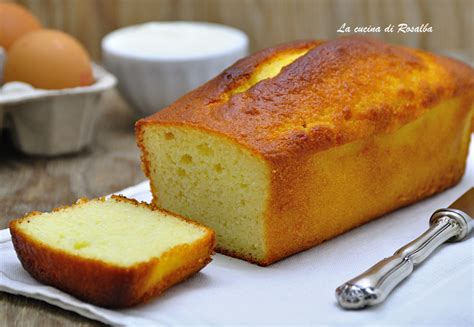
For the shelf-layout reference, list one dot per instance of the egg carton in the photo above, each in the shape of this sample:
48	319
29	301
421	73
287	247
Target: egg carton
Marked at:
52	122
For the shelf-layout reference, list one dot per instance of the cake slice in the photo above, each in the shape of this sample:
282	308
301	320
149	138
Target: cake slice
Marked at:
112	252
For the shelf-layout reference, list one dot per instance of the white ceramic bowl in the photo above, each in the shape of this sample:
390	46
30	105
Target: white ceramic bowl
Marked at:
157	62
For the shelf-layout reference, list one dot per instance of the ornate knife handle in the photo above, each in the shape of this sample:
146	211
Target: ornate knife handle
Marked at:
374	285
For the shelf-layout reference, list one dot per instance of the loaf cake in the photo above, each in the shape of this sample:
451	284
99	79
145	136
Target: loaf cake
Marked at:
299	143
113	253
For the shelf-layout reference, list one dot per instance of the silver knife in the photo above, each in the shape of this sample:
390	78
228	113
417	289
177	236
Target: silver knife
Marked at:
374	285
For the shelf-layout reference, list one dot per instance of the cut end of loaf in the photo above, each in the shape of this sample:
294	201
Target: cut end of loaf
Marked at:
112	252
212	180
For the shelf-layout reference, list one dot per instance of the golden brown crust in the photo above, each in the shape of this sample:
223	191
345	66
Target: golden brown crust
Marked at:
101	283
279	252
339	91
317	197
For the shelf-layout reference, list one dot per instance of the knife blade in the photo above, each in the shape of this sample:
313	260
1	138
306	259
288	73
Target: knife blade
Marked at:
465	203
374	285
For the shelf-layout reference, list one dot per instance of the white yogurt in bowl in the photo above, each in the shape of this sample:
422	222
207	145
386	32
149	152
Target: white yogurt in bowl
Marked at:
158	62
175	40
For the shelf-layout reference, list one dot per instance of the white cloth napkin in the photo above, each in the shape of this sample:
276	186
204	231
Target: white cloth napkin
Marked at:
299	289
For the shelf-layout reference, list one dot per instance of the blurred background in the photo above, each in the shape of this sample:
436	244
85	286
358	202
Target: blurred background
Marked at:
268	22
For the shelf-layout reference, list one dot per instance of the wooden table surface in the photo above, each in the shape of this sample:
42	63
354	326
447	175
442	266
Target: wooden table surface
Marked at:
110	164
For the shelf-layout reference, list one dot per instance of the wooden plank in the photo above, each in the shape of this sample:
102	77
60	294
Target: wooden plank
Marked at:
269	22
20	311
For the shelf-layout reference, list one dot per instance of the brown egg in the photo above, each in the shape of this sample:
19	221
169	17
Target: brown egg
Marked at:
15	21
48	59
